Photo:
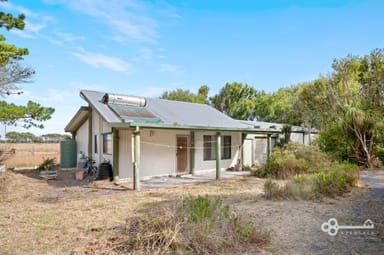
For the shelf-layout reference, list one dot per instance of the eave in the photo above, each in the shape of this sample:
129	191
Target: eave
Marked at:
131	125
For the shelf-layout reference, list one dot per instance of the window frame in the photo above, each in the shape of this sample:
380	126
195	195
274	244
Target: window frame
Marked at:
96	144
209	147
107	143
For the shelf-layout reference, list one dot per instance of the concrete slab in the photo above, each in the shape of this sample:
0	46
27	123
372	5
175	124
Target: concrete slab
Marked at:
172	181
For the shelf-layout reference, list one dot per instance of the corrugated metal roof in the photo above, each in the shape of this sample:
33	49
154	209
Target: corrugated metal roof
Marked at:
94	98
190	114
277	126
164	112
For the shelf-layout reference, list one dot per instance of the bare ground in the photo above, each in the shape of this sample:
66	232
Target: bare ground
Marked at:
66	216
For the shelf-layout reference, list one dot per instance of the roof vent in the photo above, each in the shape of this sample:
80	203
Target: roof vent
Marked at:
123	100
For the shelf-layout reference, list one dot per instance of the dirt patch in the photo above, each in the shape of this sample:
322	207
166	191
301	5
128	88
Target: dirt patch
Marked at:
66	216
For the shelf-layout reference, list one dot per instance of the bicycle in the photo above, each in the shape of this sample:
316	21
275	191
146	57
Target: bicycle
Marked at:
91	170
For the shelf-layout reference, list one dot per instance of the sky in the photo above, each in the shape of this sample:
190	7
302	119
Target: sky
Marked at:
143	48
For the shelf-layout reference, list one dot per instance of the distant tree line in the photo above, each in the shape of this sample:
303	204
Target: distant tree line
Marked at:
346	105
27	137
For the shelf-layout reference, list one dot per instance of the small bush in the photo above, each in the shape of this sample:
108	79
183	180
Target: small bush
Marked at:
329	184
272	190
198	225
261	173
47	164
323	184
292	159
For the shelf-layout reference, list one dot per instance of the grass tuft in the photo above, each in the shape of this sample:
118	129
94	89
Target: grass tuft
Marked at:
197	225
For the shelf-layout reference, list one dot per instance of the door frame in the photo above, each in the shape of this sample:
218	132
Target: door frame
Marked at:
186	152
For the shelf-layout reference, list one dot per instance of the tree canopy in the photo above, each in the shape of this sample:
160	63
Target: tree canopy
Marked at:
346	105
13	73
200	97
22	137
236	100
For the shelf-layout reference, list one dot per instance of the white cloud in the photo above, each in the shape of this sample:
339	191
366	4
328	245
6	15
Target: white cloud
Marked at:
34	24
150	92
68	37
99	60
11	7
127	18
54	95
170	68
78	85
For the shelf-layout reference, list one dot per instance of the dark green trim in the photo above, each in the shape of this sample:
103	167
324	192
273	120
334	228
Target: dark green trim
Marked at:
90	132
192	153
269	147
194	128
115	160
218	156
136	160
253	153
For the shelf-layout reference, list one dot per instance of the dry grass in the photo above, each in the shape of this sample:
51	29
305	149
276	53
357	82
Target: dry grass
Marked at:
64	217
29	155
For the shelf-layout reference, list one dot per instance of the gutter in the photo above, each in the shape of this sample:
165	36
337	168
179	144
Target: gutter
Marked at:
191	127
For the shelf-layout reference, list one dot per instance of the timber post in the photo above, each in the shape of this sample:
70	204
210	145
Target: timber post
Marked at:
218	156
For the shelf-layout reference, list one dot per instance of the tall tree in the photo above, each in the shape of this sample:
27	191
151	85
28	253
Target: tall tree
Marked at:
278	106
236	100
11	74
200	97
351	100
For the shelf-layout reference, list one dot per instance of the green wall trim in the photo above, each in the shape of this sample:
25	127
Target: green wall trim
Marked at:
115	134
218	156
90	132
192	153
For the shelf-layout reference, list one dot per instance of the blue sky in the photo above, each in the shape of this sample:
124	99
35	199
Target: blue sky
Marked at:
147	47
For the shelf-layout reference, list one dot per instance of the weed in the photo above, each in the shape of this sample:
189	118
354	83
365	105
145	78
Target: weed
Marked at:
47	164
196	225
4	179
273	190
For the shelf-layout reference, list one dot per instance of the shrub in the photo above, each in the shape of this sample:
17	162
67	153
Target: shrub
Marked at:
47	164
292	159
329	184
197	225
272	190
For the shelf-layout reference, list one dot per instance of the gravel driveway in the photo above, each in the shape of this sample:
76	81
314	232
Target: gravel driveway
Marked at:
296	225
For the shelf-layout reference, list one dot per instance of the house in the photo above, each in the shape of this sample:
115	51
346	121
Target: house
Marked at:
145	137
255	146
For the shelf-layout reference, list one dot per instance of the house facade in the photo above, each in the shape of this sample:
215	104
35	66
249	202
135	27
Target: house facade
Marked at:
144	137
256	148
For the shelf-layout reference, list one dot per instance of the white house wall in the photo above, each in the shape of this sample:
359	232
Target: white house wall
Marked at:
158	151
247	147
297	137
201	164
125	155
99	127
82	139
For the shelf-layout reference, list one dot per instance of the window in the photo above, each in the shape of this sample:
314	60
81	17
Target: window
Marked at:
96	144
210	147
226	147
107	143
